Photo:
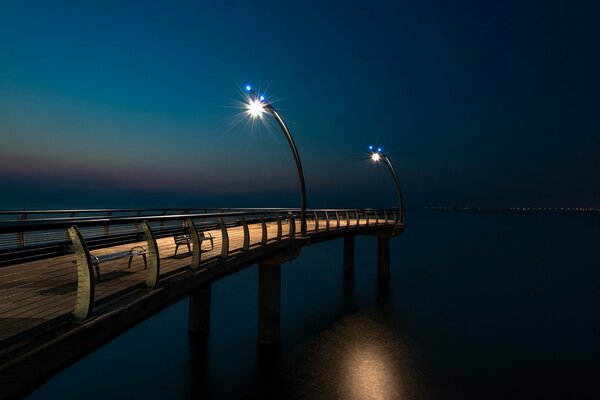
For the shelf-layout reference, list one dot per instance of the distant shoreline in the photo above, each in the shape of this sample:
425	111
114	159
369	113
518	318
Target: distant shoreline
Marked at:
514	209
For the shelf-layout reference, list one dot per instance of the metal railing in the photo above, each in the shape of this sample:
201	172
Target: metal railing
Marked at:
67	238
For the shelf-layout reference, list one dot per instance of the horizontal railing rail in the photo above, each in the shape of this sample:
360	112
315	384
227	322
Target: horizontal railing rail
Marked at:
25	240
67	265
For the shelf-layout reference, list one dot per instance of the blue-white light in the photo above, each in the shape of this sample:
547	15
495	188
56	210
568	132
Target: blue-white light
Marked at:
262	98
379	149
248	87
370	147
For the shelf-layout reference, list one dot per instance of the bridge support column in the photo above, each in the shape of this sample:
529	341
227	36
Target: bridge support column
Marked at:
199	310
269	291
349	255
269	302
383	257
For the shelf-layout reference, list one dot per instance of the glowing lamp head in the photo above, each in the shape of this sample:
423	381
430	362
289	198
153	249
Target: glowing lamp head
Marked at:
262	98
255	108
375	157
248	88
370	147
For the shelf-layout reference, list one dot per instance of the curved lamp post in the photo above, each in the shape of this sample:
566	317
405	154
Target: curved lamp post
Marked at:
377	155
255	108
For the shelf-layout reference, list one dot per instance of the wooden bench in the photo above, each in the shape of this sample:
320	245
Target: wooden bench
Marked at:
186	240
135	251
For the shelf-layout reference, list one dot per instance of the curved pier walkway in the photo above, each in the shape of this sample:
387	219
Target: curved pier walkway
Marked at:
70	280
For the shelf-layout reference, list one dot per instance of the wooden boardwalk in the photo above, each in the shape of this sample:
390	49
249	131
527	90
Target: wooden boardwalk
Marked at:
40	294
53	311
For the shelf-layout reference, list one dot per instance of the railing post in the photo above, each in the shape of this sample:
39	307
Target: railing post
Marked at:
357	218
224	239
376	217
326	220
21	235
278	226
162	221
385	216
263	224
246	243
367	216
107	226
292	230
316	221
347	219
337	218
85	276
197	251
153	270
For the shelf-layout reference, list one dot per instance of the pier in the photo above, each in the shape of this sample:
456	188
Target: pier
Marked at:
72	279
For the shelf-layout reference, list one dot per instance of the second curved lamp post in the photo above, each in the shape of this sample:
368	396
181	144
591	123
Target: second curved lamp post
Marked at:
255	108
377	155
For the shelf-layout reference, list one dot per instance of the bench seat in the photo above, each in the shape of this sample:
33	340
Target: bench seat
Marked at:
135	251
186	240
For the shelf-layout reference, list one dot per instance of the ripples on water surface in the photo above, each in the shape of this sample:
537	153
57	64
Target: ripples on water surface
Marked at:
479	306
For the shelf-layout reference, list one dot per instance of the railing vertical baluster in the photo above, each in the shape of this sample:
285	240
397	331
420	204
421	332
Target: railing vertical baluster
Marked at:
107	227
162	221
376	217
367	216
153	264
326	220
85	276
137	224
316	221
337	218
385	216
347	219
197	252
224	239
263	224
21	235
292	222
246	243
278	227
357	218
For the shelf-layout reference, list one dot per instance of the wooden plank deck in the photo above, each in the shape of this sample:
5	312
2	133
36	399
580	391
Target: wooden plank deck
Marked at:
34	294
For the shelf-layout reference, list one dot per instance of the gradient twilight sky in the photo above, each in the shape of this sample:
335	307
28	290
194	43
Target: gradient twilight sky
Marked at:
477	103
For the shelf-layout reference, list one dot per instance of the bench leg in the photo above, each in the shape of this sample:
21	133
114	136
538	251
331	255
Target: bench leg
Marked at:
145	261
97	269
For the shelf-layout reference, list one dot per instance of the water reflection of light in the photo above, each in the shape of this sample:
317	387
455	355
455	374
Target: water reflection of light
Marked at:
371	373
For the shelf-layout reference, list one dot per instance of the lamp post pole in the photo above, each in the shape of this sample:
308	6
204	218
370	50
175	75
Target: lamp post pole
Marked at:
376	155
255	110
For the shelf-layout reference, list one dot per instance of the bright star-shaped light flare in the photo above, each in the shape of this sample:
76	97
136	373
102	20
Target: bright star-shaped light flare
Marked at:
255	108
375	157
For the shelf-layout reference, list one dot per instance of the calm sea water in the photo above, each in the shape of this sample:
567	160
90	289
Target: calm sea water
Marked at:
480	305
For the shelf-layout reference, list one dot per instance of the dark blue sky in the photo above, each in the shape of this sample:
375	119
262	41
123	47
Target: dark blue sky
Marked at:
476	103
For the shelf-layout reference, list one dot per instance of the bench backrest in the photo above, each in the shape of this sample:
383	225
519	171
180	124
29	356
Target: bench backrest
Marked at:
185	239
182	239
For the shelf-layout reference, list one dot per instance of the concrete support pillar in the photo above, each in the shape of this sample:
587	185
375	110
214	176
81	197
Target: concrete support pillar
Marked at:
383	257
199	310
269	302
349	255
